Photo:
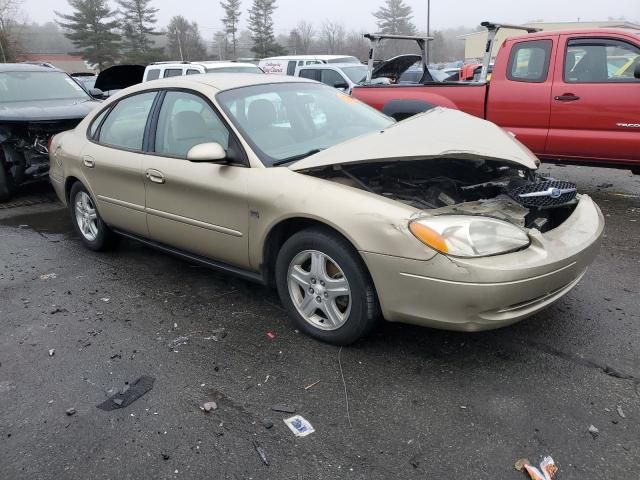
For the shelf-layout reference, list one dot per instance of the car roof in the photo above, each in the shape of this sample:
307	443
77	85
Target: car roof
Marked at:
304	57
206	63
25	67
328	66
219	81
576	31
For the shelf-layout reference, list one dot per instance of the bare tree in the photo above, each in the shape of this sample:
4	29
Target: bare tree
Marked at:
332	36
356	45
306	36
9	41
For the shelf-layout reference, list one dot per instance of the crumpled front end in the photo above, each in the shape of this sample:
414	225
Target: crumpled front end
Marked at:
475	294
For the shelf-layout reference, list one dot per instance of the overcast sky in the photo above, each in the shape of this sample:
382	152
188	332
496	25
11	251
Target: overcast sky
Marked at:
356	14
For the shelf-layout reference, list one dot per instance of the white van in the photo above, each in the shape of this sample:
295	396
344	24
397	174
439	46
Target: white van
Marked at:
177	69
287	65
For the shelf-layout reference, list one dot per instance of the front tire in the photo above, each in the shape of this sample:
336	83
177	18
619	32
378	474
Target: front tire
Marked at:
325	287
7	185
87	222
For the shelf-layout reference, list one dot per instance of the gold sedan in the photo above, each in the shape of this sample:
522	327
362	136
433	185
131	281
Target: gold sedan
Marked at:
440	220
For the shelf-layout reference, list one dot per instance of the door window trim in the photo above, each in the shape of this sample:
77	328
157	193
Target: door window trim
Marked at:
150	140
586	41
110	107
545	43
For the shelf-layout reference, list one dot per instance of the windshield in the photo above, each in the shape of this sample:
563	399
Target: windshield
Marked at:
355	74
235	69
37	86
286	121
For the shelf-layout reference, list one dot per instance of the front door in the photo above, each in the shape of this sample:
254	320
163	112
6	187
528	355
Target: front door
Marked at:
595	99
196	207
112	162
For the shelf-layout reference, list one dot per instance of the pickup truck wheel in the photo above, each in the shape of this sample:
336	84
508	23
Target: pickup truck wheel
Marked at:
635	170
7	186
325	288
87	222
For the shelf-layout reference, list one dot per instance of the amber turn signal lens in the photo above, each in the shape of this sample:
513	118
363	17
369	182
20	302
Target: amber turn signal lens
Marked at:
429	237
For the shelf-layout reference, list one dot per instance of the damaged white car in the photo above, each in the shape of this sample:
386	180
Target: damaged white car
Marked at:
440	220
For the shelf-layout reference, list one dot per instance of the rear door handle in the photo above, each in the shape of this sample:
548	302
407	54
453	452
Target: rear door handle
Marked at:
88	161
154	175
567	97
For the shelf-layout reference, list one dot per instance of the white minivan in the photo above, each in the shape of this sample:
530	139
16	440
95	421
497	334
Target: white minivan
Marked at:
287	65
177	69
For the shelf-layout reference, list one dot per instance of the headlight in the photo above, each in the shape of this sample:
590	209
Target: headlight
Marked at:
469	236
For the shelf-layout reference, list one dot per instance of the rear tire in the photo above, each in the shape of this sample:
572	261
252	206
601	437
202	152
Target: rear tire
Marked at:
325	287
7	185
87	223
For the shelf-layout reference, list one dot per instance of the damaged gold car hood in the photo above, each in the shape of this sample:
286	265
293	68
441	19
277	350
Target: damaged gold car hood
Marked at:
437	133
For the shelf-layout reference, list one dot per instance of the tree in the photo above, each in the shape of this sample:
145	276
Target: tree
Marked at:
91	28
9	41
306	35
261	27
185	42
138	18
394	18
230	21
332	36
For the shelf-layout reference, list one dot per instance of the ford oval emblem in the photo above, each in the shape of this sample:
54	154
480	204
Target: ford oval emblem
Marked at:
555	193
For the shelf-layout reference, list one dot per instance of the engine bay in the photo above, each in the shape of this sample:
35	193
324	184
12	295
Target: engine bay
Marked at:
471	187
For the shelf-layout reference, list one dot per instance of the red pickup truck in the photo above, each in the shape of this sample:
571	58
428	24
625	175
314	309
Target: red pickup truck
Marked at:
571	96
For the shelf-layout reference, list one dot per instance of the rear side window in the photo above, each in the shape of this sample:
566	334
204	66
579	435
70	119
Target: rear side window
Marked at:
153	74
311	73
96	123
291	68
594	60
124	127
529	61
191	71
172	72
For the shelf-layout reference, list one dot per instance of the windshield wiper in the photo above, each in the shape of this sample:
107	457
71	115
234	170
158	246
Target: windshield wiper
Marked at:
295	158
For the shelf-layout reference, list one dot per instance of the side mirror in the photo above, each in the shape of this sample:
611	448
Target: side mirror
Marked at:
636	71
97	93
207	152
341	86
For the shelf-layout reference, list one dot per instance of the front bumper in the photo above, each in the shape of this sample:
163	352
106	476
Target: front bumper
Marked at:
491	292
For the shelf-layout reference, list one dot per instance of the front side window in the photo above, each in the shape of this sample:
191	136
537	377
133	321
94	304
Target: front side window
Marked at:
332	78
186	120
25	86
529	61
191	71
124	127
310	73
286	121
600	61
172	72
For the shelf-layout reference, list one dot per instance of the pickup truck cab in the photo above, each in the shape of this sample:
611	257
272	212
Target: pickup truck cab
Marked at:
570	96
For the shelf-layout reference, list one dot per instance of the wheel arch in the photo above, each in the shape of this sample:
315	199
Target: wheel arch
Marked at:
284	229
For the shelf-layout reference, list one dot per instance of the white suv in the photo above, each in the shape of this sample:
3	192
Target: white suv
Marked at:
177	69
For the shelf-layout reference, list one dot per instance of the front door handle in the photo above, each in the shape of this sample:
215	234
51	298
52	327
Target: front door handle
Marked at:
567	97
88	161
154	175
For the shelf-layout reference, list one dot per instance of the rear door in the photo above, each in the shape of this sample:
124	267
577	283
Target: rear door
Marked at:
197	207
520	91
112	162
595	113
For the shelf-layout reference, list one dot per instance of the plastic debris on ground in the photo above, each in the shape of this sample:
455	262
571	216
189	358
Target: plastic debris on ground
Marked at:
209	406
593	431
262	452
129	394
547	469
52	352
70	411
620	412
271	335
299	426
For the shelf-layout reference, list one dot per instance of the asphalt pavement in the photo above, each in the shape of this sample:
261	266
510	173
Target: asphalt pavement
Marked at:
78	327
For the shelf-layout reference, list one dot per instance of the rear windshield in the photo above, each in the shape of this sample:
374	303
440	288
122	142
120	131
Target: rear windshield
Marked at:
236	69
35	86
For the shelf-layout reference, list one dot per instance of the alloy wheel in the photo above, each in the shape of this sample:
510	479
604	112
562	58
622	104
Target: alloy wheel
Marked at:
86	216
